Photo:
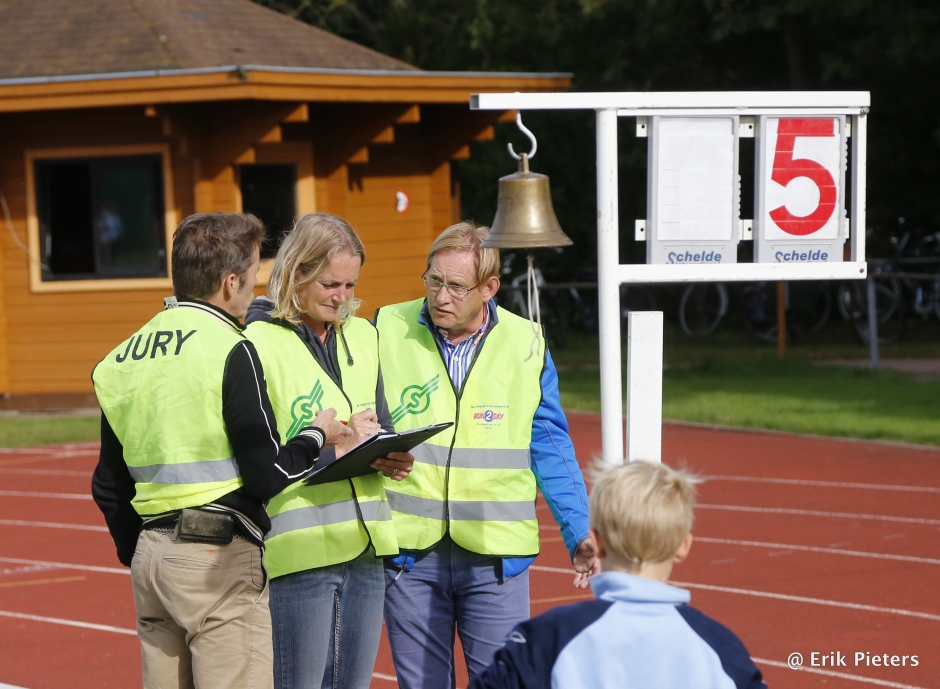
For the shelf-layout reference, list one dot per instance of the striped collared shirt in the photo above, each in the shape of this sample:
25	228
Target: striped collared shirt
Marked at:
459	357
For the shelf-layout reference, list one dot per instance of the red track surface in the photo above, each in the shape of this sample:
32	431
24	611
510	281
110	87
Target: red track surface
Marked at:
786	581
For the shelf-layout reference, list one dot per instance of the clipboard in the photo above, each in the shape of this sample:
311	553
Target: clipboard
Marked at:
357	462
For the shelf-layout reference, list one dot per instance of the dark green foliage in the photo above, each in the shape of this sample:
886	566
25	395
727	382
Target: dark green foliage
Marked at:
888	48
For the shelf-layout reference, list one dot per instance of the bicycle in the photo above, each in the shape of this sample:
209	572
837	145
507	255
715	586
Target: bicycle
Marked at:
556	306
891	284
703	307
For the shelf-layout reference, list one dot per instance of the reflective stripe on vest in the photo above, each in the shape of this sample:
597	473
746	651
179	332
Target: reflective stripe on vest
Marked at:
161	391
318	526
475	480
190	472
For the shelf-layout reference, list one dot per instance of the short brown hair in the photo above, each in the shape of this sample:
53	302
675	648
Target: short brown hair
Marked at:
305	253
209	246
467	236
643	511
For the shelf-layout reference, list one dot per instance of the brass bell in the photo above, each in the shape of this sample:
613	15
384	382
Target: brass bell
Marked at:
525	218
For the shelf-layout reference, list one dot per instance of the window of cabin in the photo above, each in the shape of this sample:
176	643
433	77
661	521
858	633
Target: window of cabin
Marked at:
269	191
101	217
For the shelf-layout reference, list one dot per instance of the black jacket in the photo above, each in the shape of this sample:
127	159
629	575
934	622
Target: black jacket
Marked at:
266	466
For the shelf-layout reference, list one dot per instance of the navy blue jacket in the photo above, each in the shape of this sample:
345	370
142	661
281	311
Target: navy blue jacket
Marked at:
638	634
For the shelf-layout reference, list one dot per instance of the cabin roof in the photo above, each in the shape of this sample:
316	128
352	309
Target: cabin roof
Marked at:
56	38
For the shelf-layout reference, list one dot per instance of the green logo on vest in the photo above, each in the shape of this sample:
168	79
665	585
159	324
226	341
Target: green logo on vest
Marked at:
303	410
415	399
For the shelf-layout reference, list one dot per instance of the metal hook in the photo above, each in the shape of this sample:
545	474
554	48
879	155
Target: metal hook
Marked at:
529	134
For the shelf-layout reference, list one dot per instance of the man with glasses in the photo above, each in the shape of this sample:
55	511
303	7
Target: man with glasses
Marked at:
466	515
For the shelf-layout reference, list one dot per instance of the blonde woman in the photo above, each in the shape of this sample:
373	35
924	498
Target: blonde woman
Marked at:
324	551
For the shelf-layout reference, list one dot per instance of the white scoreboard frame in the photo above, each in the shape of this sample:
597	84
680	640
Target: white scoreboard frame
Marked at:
644	393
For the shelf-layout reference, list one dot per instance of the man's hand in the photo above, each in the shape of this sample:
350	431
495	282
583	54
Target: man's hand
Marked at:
362	425
334	430
396	466
586	563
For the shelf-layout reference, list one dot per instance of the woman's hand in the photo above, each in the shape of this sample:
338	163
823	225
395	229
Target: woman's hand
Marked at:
396	466
363	425
334	431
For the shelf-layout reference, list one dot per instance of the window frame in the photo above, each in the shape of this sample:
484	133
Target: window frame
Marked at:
36	283
297	153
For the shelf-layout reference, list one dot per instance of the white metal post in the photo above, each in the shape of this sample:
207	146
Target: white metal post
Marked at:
645	386
608	288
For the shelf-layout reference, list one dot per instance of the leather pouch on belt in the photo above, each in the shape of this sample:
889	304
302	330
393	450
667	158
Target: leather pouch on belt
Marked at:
206	527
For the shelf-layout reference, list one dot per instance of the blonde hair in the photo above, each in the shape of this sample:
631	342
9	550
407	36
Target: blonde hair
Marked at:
305	253
643	511
467	236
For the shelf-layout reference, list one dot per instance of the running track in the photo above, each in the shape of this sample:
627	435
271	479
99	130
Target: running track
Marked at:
802	545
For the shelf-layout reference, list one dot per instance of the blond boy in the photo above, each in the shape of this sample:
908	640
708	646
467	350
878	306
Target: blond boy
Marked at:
640	631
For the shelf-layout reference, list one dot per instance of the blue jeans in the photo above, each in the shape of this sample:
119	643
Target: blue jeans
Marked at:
449	590
327	625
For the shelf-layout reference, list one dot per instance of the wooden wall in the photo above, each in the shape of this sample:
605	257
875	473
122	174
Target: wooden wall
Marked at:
49	342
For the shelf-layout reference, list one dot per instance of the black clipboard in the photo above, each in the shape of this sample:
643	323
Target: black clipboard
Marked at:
358	461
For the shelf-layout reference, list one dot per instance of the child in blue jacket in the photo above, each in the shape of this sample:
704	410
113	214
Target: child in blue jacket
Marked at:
640	632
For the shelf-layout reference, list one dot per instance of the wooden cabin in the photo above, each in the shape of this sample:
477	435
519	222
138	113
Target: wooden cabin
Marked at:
119	118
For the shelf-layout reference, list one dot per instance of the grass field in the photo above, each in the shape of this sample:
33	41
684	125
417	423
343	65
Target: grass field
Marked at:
731	379
41	429
728	378
795	396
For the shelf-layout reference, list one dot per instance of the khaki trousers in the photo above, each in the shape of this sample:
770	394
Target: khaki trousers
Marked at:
202	614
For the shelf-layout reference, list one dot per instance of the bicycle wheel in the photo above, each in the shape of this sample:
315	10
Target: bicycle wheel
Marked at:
702	307
759	310
889	308
809	308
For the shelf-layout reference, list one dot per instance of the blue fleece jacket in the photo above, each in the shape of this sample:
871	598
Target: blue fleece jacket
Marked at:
637	634
553	462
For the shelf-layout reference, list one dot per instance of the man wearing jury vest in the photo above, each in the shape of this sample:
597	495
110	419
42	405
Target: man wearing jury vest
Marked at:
189	455
466	516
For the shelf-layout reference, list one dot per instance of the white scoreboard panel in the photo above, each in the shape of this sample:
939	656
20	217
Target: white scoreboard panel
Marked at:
800	190
693	190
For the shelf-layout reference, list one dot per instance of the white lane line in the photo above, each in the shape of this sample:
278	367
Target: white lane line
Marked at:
841	675
53	525
811	549
32	494
817	513
68	623
66	565
778	596
46	472
108	628
825	484
79	447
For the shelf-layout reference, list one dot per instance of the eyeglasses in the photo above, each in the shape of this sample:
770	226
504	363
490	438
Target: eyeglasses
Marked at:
456	291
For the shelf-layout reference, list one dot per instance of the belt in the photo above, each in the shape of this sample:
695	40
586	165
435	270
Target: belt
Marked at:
168	524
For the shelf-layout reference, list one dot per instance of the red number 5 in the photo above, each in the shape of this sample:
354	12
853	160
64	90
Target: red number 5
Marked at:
788	168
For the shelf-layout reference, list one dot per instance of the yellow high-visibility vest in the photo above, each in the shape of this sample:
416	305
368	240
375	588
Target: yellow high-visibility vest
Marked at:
474	480
318	526
161	391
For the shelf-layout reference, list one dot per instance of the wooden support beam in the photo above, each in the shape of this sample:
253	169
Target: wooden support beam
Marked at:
360	156
341	133
507	116
247	157
448	131
300	114
386	136
411	116
272	137
487	134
